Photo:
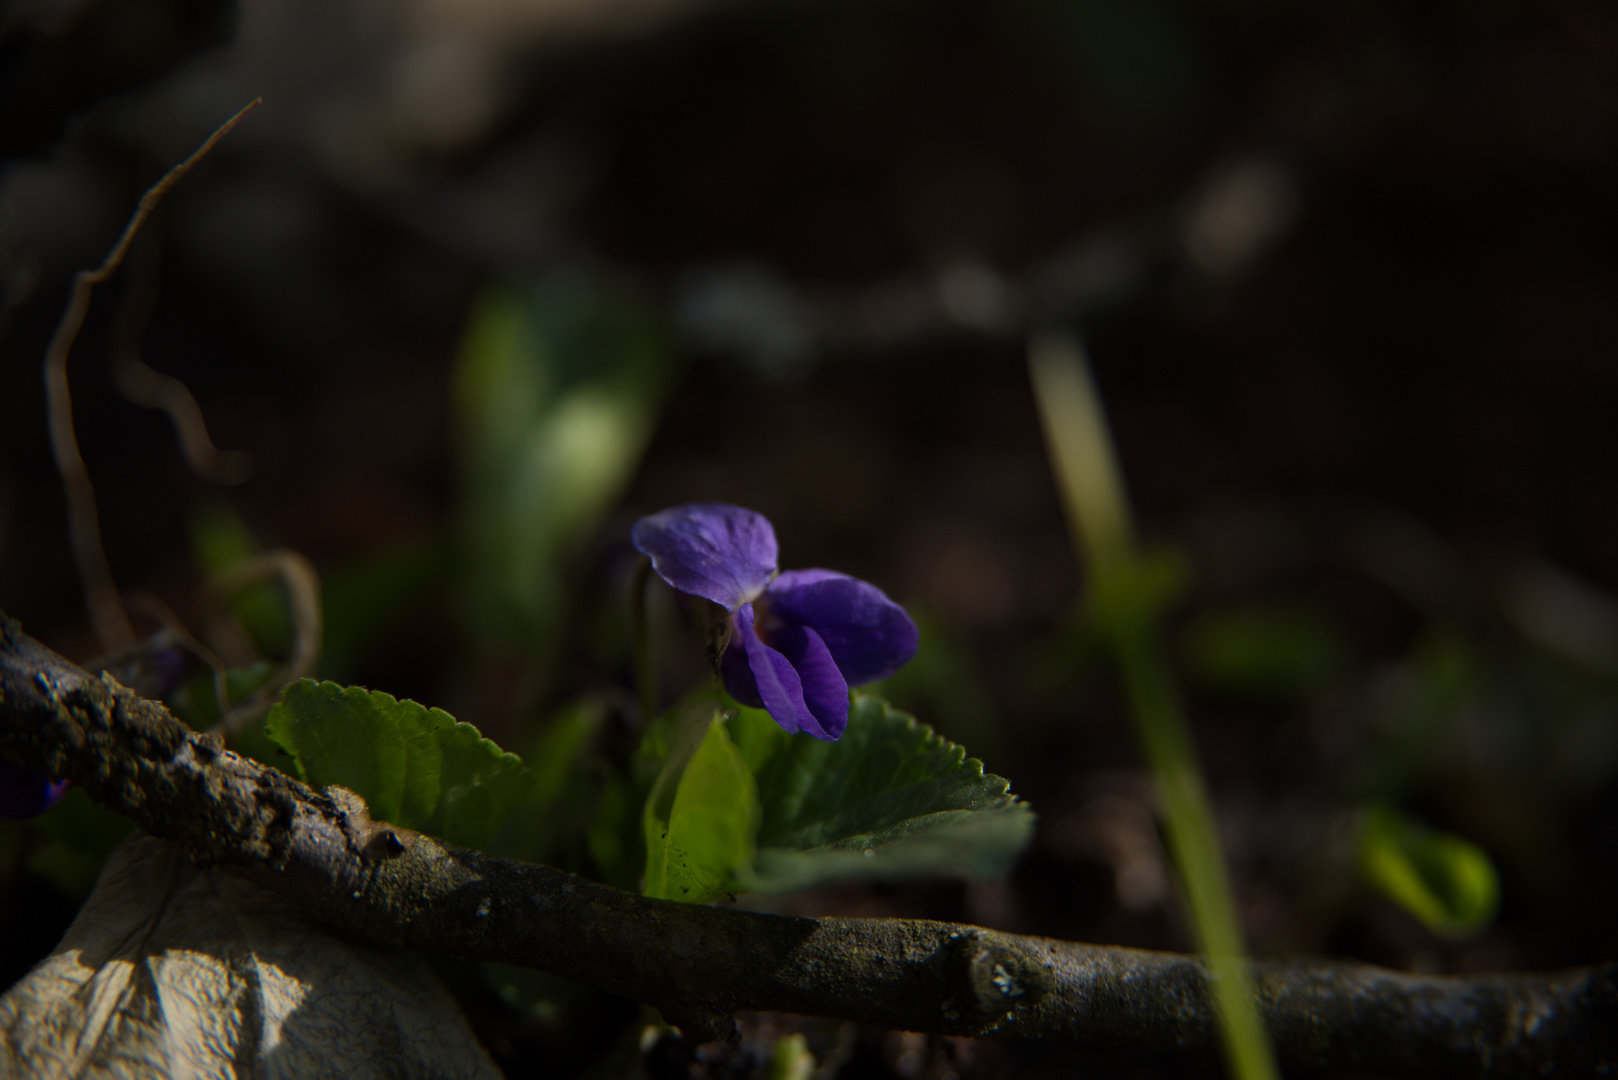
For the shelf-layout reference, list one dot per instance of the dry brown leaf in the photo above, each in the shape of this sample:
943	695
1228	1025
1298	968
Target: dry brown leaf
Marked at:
173	972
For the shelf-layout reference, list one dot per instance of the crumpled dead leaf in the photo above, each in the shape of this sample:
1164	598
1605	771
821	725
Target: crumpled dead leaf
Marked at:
173	972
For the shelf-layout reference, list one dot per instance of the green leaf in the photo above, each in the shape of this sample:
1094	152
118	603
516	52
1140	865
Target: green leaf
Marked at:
415	767
1444	881
701	817
890	799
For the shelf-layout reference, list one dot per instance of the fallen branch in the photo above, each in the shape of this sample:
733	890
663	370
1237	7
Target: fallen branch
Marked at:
698	965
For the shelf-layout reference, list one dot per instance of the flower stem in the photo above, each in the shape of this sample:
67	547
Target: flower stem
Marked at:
640	635
1126	605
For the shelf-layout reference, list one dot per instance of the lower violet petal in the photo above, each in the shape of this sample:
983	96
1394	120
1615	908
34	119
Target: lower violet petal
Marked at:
825	691
733	666
779	687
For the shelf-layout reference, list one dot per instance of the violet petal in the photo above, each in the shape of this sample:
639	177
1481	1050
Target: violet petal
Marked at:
734	669
781	686
868	635
825	691
25	793
722	552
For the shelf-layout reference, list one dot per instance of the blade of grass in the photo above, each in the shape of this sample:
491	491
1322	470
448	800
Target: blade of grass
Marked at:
1093	495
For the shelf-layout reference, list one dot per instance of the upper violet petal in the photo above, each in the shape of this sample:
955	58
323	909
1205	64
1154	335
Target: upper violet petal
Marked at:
868	635
722	552
24	792
825	691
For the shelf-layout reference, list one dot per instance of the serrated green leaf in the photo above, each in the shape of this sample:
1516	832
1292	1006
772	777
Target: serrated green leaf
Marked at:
890	799
1444	881
415	767
701	818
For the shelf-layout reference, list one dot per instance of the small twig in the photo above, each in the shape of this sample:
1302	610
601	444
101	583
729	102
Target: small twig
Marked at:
139	383
700	964
84	526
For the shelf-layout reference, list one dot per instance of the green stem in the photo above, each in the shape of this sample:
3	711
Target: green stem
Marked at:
1188	823
640	635
1093	494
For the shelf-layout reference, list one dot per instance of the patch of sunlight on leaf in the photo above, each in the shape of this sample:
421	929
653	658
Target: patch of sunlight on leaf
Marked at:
1446	882
173	971
890	799
415	767
701	817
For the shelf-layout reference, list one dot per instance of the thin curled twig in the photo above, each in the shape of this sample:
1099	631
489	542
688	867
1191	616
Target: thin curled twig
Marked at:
106	609
142	385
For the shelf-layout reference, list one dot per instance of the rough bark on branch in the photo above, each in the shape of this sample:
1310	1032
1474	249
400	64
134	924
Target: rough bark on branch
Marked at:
700	964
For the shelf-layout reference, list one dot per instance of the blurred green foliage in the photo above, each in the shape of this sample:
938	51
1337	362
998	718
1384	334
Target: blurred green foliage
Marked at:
196	699
557	389
1278	653
220	539
362	600
1445	881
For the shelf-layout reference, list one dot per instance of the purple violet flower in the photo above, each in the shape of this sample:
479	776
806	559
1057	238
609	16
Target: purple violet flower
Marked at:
24	793
798	640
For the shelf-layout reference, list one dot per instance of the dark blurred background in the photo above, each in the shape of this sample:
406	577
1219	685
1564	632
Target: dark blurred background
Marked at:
1347	273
